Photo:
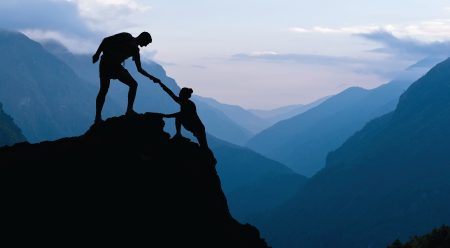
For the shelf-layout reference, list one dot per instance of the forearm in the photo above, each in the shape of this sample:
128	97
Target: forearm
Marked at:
172	115
168	91
143	72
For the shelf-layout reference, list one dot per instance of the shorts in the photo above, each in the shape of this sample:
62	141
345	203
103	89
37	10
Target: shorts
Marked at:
110	69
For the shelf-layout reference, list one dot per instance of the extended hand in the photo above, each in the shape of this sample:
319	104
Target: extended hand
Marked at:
155	80
95	58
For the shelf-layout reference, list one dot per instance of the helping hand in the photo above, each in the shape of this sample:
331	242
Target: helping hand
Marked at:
155	80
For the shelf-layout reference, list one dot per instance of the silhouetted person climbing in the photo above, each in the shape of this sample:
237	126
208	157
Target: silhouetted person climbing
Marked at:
116	49
187	116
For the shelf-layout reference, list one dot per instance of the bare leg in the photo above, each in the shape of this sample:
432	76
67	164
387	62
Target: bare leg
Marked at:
127	79
104	86
202	140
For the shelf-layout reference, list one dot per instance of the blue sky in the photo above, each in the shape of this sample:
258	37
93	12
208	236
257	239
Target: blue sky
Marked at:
257	54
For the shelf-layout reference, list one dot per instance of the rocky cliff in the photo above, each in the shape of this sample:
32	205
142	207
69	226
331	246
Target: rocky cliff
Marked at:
10	133
124	182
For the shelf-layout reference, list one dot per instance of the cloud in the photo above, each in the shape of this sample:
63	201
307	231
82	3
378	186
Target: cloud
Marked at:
435	29
59	16
262	53
387	68
406	47
110	15
77	24
199	66
73	43
296	58
147	55
341	85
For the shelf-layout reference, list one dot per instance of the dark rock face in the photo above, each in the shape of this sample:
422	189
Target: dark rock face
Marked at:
124	182
10	133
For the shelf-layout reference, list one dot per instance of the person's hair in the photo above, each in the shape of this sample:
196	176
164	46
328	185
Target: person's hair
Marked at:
146	36
186	90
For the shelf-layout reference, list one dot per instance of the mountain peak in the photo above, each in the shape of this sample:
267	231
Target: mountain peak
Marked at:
123	182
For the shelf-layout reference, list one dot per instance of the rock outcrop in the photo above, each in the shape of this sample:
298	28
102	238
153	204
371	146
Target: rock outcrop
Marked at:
123	183
10	133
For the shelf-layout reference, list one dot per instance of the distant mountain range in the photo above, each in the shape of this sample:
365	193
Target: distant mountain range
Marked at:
268	192
238	166
303	141
275	115
244	118
387	181
265	114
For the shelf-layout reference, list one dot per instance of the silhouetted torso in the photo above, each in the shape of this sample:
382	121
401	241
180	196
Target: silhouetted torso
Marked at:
189	115
121	46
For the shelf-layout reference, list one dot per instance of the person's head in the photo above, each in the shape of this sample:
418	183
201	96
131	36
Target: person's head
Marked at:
186	93
144	39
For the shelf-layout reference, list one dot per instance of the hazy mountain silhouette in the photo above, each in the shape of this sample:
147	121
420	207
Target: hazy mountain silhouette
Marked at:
387	181
275	115
149	96
244	118
123	183
276	135
304	148
10	133
297	111
265	114
45	97
269	192
238	166
220	125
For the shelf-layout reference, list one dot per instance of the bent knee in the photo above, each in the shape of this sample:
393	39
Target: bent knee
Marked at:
133	84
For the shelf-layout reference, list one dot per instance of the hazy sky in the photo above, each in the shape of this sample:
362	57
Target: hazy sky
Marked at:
256	54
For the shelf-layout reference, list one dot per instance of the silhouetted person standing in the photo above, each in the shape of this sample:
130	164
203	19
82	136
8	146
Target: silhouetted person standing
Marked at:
187	116
116	49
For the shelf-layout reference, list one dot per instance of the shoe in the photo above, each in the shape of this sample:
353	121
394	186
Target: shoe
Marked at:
131	112
98	121
177	136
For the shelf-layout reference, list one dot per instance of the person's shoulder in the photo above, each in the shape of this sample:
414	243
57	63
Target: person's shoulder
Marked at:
123	37
125	34
190	102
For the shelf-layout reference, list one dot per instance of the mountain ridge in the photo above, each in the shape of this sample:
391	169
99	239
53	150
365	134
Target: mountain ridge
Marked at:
387	181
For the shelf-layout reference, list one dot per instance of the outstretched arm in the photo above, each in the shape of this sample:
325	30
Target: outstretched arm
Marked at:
171	94
172	115
137	61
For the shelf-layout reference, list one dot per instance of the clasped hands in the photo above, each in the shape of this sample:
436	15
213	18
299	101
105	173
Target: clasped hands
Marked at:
155	80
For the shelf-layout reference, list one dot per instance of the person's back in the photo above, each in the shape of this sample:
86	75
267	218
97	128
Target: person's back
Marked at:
121	46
